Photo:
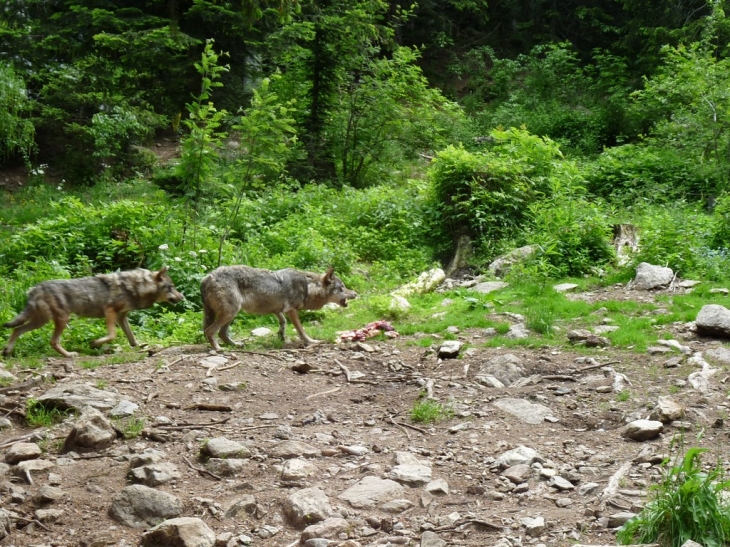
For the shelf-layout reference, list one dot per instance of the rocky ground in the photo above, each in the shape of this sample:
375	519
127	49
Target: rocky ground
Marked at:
315	446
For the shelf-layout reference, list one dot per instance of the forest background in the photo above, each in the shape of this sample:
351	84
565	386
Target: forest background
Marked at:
362	134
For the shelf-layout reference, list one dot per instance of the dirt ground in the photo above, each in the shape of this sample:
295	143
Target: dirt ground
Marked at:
261	391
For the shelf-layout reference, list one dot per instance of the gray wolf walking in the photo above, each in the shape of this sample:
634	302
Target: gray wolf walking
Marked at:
230	289
111	296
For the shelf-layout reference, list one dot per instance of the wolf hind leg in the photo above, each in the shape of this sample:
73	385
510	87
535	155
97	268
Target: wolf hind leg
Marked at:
212	330
35	323
225	335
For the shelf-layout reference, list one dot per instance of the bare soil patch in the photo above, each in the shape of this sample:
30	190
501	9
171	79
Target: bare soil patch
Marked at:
263	398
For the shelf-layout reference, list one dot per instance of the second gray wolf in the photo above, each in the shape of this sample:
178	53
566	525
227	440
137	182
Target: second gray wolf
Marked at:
111	296
230	289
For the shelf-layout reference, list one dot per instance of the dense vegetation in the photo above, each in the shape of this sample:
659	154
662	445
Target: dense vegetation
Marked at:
362	134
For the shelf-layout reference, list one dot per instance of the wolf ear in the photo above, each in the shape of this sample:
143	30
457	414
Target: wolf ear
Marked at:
328	276
162	272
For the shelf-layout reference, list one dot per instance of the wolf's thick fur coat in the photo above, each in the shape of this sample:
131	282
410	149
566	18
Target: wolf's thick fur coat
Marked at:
230	289
111	296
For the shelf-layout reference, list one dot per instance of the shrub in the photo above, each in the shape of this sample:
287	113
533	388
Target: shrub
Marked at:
486	194
688	504
630	173
576	232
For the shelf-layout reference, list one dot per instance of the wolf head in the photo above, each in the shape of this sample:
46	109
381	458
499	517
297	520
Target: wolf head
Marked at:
166	291
335	288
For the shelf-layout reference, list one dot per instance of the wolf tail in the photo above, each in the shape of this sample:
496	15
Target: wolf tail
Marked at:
19	319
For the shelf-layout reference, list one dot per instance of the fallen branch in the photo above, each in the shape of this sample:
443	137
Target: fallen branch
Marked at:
188	426
599	365
345	370
230	366
33	521
399	425
208	406
613	484
257	427
420	430
479	522
313	395
35	436
201	470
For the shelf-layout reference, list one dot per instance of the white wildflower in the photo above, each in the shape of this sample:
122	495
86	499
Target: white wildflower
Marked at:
163	247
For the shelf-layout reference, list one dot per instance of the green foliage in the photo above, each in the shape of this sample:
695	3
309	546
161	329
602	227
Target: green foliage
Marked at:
573	234
689	101
689	504
385	115
267	138
677	237
200	147
39	415
551	93
16	130
88	238
487	194
131	427
649	173
428	411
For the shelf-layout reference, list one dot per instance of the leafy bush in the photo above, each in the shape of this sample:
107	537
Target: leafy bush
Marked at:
677	237
689	504
487	195
17	132
90	238
576	232
625	174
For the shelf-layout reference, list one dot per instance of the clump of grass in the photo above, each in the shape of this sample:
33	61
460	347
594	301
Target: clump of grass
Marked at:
688	504
428	411
131	428
623	396
39	415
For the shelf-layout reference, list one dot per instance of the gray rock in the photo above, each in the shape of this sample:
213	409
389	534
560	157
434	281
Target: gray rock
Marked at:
5	424
246	504
48	494
450	349
560	483
307	506
502	265
565	287
5	524
78	396
642	430
317	542
412	475
154	474
431	539
139	506
619	519
296	470
713	320
220	447
518	473
371	491
148	457
48	515
531	413
588	488
329	528
651	277
489	286
27	468
19	452
6	377
92	430
124	409
438	487
721	355
521	454
396	506
534	527
518	332
226	467
179	532
293	449
667	410
506	368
